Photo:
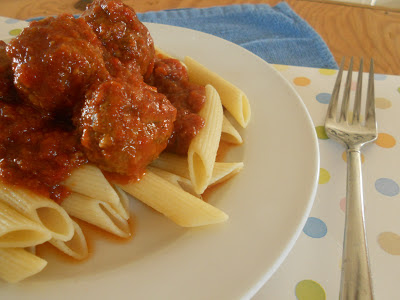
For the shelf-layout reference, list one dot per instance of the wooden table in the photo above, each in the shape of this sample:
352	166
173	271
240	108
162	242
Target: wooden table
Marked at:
348	30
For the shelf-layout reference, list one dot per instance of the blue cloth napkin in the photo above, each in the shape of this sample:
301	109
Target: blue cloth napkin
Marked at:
276	34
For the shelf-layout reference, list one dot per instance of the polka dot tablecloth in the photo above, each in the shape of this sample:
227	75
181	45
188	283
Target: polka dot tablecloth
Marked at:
312	269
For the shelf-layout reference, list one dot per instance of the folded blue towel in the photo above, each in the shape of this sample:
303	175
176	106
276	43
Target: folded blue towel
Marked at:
276	34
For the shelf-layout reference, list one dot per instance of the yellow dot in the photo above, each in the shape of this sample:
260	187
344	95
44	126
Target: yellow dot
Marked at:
281	67
327	71
389	242
321	133
301	81
15	32
344	156
382	103
309	290
324	176
385	140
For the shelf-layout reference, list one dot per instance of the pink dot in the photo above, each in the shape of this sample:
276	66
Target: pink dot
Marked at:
342	204
353	85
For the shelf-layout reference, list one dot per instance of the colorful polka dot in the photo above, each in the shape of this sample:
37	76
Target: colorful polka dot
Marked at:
324	176
382	103
321	133
342	204
301	81
344	156
323	98
315	228
389	242
327	71
353	86
380	76
15	32
398	89
387	187
281	67
11	21
309	290
385	140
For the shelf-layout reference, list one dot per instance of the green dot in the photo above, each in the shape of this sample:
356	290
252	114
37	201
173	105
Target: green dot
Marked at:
398	89
324	176
321	134
15	32
310	290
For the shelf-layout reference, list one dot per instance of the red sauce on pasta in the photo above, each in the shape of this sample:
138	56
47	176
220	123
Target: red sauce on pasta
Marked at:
90	90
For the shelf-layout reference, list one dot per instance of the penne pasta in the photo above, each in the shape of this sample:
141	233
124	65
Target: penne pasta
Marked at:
172	163
17	264
96	212
204	146
179	206
229	133
17	231
232	98
176	164
88	180
181	182
39	209
76	247
224	171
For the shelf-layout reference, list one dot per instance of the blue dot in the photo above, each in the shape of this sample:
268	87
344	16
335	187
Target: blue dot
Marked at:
315	228
323	98
380	76
387	187
11	21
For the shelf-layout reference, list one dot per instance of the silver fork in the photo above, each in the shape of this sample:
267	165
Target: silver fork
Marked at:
356	280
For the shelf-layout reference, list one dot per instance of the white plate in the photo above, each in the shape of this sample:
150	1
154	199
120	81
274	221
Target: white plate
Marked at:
268	202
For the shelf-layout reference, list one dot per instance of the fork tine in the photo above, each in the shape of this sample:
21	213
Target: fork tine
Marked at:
346	94
357	101
370	119
331	113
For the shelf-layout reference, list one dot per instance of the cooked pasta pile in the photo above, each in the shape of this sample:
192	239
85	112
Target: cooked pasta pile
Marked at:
172	185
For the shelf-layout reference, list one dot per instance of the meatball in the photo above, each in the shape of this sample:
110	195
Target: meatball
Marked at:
54	61
125	126
122	34
7	90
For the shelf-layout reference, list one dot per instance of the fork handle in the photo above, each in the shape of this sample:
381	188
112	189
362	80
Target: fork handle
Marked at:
356	280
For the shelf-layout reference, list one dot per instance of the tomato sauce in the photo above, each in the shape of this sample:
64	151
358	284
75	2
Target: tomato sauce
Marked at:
171	78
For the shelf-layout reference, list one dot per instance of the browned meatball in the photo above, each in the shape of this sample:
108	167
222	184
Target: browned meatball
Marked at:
125	126
54	62
122	34
7	90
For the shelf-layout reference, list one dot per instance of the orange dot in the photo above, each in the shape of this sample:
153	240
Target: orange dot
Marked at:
344	156
385	140
301	81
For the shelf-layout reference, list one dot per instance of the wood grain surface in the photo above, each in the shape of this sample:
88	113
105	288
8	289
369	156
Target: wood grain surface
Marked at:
347	30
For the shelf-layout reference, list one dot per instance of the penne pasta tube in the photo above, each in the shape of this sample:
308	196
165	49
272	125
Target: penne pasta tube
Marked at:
204	146
17	231
229	133
88	180
179	206
181	182
39	209
17	264
123	198
232	98
176	164
75	247
96	212
172	163
224	171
